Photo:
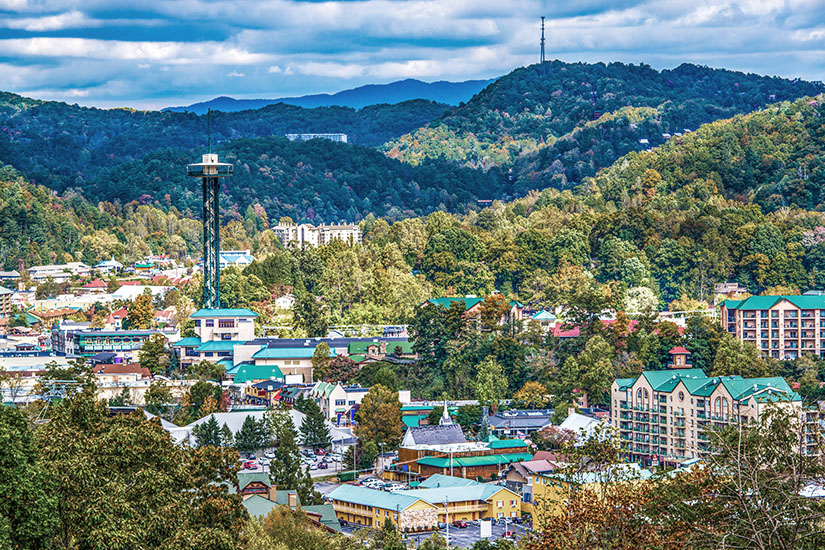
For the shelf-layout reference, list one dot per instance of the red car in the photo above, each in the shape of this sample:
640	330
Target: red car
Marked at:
249	465
320	452
460	524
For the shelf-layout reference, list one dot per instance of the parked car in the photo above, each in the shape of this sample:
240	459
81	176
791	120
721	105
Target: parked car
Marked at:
460	524
263	461
442	525
313	466
251	456
518	520
249	465
270	455
323	466
473	522
320	452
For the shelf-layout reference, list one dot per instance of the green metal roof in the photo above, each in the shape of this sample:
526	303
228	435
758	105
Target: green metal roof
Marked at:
456	493
245	478
222	312
188	342
360	348
506	444
441	480
218	345
357	358
700	385
487	460
767	302
447	302
250	373
328	517
412	420
258	506
373	498
287	353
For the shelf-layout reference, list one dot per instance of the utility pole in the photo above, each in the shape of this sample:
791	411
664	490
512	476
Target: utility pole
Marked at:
447	519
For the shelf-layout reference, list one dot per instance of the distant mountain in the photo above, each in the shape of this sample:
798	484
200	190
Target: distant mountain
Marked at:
442	91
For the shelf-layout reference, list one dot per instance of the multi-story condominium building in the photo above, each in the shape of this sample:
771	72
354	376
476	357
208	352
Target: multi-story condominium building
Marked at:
783	327
87	342
315	236
341	138
5	302
664	417
218	332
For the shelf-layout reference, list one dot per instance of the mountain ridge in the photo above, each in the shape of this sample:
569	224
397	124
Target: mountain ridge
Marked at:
441	91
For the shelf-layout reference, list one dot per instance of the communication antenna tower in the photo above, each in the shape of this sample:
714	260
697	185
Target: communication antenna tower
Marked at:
542	60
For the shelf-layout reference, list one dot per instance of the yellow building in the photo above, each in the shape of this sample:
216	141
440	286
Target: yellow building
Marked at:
371	508
443	499
551	490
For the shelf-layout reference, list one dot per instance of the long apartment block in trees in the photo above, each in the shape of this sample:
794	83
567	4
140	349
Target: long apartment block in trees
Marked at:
210	171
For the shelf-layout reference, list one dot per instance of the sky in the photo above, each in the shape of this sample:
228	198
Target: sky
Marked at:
151	54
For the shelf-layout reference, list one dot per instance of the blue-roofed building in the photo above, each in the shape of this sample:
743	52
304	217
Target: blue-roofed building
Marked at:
664	417
218	331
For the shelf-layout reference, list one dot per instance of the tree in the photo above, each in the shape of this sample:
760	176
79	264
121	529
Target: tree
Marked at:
198	395
435	415
310	315
154	355
142	312
493	310
490	384
320	361
468	417
28	509
287	470
341	369
314	429
252	435
735	357
749	492
532	395
207	433
122	399
206	370
227	438
123	483
380	417
388	537
158	398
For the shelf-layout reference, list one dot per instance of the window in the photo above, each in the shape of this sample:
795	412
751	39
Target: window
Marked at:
513	503
351	403
226	323
340	402
197	322
681	396
500	504
210	322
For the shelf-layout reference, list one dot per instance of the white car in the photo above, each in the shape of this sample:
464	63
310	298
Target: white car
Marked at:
270	455
263	461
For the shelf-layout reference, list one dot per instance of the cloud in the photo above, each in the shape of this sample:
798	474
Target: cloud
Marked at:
157	53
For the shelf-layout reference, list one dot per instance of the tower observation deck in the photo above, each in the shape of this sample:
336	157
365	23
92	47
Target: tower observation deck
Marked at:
210	171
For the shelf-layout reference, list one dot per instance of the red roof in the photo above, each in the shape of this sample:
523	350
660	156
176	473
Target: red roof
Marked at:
131	283
559	330
678	350
97	283
119	368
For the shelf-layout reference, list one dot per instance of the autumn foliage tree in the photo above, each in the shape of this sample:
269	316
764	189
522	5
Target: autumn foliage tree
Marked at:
380	417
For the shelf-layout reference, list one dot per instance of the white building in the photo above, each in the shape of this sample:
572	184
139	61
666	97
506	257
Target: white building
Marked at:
59	273
314	236
285	302
340	138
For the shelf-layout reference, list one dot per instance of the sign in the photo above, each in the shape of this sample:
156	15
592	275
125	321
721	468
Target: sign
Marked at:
486	528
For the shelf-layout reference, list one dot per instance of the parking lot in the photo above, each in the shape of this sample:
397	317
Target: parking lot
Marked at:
333	463
459	538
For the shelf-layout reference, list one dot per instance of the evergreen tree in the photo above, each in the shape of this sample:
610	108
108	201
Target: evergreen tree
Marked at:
207	433
154	355
249	437
227	439
314	430
388	537
307	494
286	471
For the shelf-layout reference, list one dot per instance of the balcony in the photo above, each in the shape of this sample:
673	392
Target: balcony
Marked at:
679	422
679	445
643	429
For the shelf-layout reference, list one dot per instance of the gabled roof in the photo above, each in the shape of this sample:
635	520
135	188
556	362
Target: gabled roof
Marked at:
440	434
767	302
440	480
507	444
373	498
543	315
188	342
249	373
464	493
223	312
447	302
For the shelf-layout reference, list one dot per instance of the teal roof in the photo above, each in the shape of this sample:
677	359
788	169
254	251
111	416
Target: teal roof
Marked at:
456	493
625	382
440	480
373	498
327	515
188	342
700	385
447	302
221	312
767	302
360	348
287	353
232	370
258	506
249	373
544	315
506	444
413	420
218	345
245	478
486	460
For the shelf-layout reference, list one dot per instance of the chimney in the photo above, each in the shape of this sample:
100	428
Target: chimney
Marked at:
293	500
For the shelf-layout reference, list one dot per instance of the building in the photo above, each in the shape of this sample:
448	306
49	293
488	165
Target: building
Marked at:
323	234
472	306
119	373
338	402
340	138
663	417
728	289
520	422
87	342
235	258
9	275
109	266
5	302
285	302
218	332
58	273
518	477
96	286
783	327
371	508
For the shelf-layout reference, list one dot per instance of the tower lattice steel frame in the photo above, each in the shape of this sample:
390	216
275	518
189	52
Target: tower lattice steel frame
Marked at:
210	171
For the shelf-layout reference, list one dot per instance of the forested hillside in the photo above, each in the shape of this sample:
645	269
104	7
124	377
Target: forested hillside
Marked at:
69	147
564	126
